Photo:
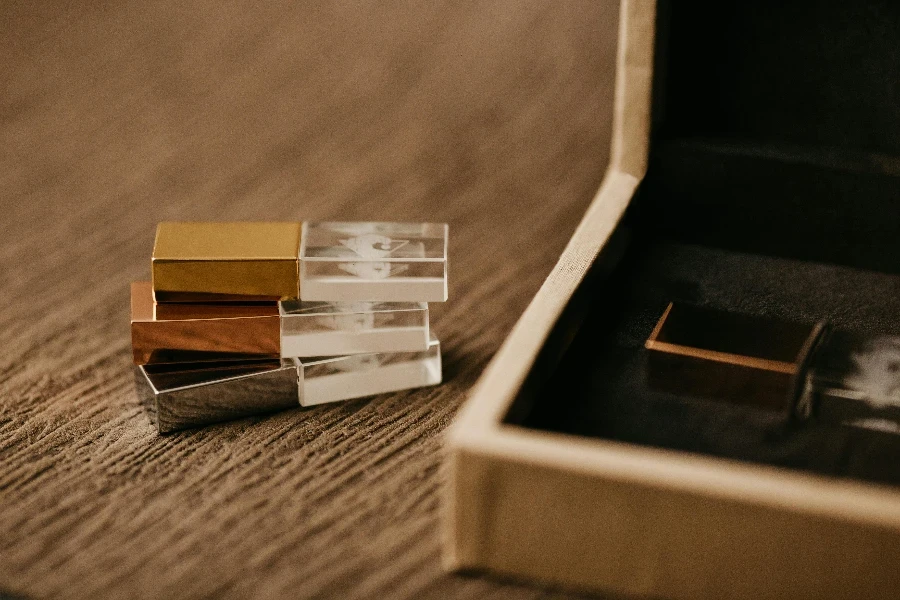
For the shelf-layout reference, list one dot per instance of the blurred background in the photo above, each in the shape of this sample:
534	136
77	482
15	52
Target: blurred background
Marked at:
491	116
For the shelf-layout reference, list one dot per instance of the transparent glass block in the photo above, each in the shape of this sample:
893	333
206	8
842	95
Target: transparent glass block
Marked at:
855	380
339	328
388	262
346	377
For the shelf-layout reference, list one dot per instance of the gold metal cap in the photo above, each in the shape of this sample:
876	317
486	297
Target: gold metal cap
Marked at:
226	261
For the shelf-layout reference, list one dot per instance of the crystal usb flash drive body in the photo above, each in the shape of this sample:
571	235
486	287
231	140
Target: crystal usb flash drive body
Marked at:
183	395
313	261
402	262
855	380
337	328
803	371
197	332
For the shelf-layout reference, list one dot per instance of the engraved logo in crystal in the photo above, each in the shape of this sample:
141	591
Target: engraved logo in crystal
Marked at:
358	362
355	316
878	372
373	246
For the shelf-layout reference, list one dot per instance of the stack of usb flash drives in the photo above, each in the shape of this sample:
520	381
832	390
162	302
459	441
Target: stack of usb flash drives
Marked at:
247	318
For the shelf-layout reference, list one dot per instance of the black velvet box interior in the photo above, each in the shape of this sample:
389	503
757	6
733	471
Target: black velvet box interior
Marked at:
774	190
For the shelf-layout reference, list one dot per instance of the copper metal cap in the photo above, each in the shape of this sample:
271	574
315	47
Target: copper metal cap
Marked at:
178	332
738	358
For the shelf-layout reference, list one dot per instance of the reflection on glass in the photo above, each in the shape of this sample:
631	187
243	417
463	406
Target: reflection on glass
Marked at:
342	378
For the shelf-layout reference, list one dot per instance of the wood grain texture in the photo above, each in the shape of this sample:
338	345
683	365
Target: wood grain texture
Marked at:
113	116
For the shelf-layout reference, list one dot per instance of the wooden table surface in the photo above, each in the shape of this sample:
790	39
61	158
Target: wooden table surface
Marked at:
492	117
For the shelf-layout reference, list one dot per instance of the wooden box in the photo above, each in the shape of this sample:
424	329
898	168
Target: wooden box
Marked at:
755	168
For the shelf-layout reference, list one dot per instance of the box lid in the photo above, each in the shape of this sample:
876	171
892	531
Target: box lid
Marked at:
776	128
